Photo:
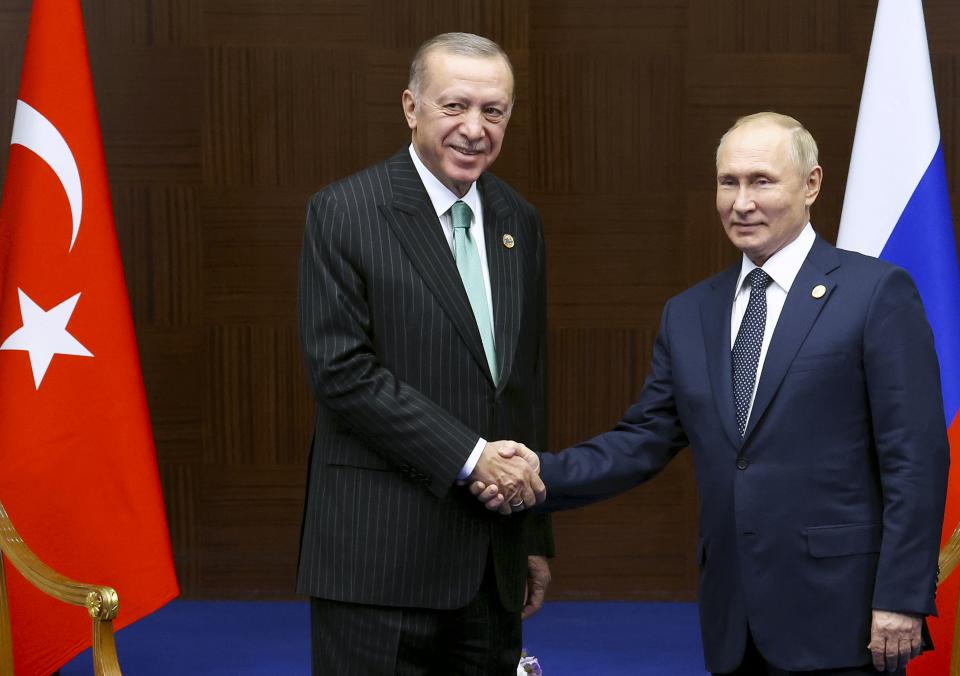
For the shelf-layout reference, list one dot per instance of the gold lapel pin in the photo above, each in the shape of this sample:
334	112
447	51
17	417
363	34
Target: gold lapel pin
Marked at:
508	241
818	291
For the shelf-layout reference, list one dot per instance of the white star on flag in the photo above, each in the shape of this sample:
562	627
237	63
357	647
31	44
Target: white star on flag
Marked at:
44	334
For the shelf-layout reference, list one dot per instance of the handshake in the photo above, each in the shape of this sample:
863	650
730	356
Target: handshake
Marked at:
506	478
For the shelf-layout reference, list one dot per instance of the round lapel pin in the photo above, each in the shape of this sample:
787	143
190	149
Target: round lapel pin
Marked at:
508	241
818	291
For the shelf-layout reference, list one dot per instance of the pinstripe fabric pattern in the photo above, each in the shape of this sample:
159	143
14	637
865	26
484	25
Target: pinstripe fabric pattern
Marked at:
480	639
403	392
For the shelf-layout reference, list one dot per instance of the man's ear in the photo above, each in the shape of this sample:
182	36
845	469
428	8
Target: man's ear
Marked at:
409	108
814	178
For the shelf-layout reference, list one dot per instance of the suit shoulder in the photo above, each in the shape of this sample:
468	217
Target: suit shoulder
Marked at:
366	185
865	281
862	262
348	204
871	271
695	293
500	189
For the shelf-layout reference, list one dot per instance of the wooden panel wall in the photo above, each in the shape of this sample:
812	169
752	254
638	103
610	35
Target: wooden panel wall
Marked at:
220	117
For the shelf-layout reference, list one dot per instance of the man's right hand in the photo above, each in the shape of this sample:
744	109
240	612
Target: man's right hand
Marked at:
508	471
495	497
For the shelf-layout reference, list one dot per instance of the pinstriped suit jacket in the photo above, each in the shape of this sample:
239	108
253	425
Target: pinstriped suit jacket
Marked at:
403	392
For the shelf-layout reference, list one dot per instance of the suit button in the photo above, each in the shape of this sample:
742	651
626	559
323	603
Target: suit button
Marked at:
742	463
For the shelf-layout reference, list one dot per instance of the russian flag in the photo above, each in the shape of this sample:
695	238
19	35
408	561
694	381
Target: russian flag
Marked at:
897	207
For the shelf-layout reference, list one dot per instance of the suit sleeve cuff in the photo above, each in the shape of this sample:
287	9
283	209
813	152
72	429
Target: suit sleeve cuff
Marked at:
472	461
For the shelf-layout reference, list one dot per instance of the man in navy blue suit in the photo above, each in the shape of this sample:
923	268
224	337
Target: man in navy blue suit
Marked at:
805	383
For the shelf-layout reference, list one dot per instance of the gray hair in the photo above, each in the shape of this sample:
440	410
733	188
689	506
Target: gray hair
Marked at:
461	44
803	149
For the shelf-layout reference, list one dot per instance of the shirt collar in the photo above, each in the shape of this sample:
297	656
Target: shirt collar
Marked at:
783	266
441	197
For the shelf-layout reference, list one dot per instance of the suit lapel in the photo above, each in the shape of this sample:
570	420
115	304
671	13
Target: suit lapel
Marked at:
414	222
506	273
799	313
715	319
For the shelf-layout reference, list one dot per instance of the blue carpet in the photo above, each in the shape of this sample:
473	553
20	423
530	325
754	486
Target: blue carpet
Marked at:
234	638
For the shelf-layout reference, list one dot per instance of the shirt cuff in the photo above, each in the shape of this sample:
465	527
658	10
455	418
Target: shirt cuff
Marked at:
472	460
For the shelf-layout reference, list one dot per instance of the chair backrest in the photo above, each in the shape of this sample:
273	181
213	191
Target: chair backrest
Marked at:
101	602
6	640
949	558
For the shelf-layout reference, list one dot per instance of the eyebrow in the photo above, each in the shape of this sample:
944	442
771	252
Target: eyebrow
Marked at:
751	176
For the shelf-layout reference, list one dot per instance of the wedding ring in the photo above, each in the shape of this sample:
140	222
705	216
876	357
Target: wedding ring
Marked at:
518	505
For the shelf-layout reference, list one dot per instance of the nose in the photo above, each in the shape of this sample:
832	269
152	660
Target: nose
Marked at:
472	124
744	201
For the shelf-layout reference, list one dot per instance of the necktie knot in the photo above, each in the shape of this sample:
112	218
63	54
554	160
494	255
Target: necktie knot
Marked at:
757	278
462	215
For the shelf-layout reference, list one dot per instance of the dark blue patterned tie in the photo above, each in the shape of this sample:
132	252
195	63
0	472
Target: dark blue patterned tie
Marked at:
746	348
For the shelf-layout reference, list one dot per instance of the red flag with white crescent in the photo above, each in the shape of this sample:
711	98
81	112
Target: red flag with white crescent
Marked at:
78	471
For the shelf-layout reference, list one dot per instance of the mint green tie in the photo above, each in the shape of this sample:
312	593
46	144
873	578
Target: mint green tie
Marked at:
468	263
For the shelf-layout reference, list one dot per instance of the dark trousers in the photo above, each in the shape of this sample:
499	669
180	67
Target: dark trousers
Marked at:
754	664
480	639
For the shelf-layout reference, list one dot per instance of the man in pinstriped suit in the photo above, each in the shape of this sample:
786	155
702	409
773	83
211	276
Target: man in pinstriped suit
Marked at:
422	317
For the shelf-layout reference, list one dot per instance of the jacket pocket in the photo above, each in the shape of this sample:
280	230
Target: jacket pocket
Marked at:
843	539
817	362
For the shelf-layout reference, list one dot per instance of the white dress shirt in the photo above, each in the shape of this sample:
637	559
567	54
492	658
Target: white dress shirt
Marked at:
442	199
782	267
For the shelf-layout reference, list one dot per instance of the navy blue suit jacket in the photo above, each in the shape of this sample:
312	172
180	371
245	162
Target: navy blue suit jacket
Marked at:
831	503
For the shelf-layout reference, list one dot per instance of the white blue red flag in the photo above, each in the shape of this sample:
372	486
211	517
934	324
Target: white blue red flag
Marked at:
897	207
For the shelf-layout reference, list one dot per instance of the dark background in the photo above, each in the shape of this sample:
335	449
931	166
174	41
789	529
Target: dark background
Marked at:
221	117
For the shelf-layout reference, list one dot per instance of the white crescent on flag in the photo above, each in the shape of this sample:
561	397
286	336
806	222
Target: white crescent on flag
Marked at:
35	132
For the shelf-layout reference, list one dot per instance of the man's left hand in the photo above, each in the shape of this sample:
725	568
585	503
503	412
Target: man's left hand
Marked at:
538	579
894	640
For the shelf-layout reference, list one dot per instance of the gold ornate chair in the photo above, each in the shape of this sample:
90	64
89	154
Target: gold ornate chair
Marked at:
100	602
949	558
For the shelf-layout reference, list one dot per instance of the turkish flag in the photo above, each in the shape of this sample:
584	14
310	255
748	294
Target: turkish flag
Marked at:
78	472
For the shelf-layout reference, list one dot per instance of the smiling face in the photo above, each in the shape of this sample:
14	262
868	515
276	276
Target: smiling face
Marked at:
762	197
459	118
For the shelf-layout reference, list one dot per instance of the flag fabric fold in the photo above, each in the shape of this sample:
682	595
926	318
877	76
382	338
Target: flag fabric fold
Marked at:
78	471
897	207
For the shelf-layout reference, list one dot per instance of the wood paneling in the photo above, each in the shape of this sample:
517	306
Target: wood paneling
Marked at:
269	108
260	414
325	25
150	101
220	117
407	23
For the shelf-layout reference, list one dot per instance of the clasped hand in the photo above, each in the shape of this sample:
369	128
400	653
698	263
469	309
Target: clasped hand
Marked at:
507	477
